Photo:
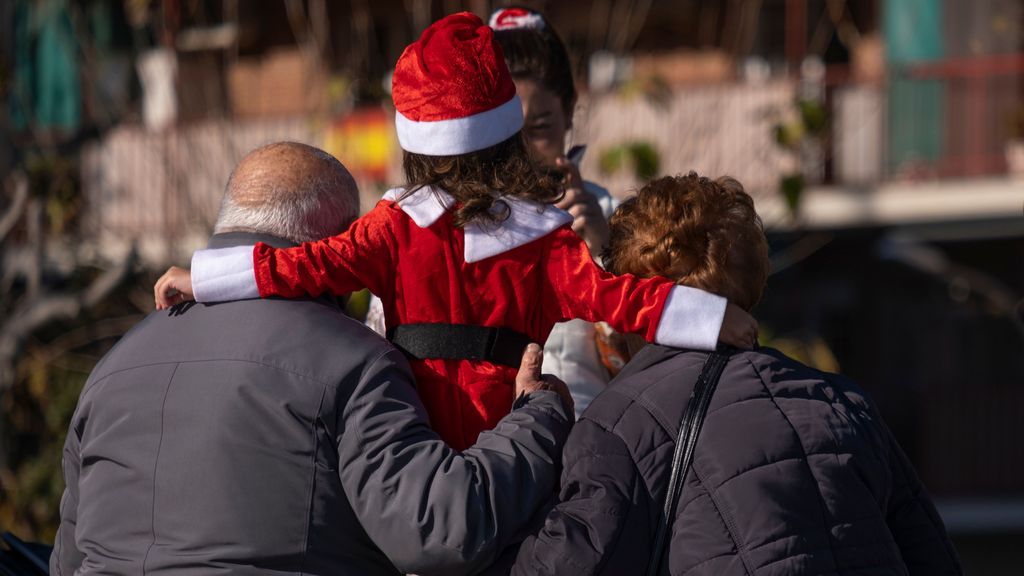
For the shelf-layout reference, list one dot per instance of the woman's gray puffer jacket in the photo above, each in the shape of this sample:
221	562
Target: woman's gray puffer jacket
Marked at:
794	473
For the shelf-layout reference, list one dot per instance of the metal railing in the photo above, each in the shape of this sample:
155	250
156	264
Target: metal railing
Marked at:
981	97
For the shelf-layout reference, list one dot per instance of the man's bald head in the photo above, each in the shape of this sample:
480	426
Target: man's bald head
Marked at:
291	191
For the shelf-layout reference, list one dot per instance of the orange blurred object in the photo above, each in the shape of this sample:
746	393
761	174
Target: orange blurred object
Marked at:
364	142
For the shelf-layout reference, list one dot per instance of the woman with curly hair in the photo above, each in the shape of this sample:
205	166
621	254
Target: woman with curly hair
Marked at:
469	259
793	471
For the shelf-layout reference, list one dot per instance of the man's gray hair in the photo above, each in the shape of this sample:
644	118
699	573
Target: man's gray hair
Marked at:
291	191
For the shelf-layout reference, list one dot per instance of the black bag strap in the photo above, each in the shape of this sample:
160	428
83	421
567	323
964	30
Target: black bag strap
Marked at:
689	429
461	342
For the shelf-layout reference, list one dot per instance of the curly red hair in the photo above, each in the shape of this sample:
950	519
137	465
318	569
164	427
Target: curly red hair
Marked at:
700	232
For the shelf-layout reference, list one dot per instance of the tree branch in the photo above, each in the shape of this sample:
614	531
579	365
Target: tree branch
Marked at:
37	249
51	308
18	185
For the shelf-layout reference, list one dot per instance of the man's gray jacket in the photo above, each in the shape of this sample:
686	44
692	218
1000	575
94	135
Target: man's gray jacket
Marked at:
281	437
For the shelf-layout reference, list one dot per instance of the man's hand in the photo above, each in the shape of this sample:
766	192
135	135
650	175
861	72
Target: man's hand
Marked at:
174	287
739	328
587	217
529	379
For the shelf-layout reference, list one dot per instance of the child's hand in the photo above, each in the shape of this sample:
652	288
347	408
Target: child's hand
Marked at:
739	328
174	287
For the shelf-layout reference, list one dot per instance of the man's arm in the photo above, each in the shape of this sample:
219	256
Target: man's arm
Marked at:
66	557
430	509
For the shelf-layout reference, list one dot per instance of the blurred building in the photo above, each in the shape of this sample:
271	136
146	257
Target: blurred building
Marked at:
883	141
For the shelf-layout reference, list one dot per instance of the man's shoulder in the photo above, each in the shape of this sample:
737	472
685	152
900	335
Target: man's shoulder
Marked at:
307	337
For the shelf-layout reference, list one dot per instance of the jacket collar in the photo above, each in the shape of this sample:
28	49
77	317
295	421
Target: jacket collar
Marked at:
527	221
648	356
231	239
653	354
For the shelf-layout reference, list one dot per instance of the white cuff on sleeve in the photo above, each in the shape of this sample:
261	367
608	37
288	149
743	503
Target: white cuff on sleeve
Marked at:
692	318
224	274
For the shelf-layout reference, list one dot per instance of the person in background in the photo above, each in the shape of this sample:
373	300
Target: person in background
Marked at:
540	67
794	471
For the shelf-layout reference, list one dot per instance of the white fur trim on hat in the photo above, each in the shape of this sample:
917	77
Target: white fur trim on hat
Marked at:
460	135
516	19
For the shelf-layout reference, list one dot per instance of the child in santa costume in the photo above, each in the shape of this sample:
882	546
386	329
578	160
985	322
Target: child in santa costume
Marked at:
469	259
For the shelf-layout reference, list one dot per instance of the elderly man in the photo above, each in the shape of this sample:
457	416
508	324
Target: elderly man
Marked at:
281	437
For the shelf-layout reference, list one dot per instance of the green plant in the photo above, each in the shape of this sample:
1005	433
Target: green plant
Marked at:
814	117
639	156
55	323
792	186
35	418
36	410
810	125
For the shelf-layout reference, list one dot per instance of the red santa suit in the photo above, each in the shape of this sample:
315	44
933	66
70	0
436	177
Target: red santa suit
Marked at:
527	274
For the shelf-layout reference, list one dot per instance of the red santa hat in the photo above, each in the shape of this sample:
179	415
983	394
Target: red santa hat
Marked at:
516	19
452	91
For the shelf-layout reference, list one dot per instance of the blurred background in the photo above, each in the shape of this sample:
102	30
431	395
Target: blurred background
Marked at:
883	141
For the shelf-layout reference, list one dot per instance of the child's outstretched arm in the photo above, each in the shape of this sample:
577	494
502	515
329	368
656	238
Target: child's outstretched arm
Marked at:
361	257
655	308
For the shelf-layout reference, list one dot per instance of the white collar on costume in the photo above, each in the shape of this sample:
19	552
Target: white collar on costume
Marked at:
527	221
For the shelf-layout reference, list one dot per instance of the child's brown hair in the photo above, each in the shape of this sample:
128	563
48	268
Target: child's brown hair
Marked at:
477	179
700	232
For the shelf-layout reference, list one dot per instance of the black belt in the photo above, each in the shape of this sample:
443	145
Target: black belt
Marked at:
460	342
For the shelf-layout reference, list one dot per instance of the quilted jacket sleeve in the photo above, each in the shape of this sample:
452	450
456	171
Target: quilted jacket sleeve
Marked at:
600	526
433	510
914	522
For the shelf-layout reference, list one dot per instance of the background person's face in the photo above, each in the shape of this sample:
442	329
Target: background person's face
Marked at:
545	122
